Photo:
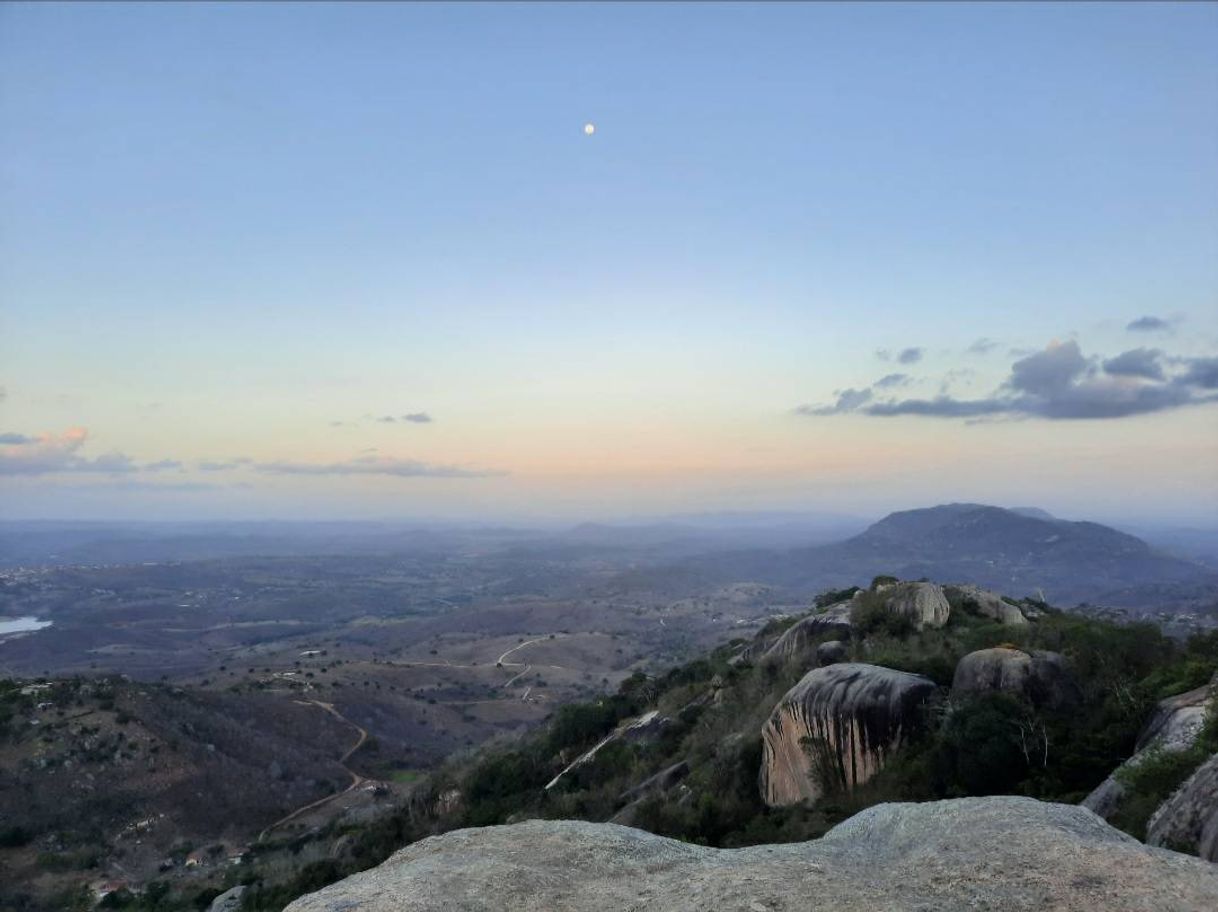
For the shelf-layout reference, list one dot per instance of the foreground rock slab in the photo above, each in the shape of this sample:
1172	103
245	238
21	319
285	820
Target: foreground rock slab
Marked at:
1002	853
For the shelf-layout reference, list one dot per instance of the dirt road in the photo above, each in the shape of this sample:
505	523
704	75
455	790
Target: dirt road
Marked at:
356	778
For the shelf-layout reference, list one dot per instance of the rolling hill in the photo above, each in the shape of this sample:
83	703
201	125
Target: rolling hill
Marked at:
1023	551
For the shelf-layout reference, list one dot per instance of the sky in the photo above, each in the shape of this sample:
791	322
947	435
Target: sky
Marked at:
363	261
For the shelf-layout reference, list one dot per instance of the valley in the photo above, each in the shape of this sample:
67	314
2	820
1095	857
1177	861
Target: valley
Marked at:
191	723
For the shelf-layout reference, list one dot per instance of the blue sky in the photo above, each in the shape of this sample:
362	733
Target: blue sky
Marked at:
244	233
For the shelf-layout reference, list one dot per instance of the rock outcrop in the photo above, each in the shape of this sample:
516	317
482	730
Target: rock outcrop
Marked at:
660	782
800	636
228	901
643	728
989	604
1042	678
830	653
923	603
1174	727
1003	853
753	651
663	781
1178	720
1189	818
836	728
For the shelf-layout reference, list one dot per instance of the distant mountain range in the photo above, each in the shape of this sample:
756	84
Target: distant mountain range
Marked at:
1023	551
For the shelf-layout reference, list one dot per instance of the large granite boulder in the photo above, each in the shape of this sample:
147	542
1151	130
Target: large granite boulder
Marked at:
802	635
1002	853
830	653
836	728
1042	678
1174	727
1189	818
988	604
1178	720
923	603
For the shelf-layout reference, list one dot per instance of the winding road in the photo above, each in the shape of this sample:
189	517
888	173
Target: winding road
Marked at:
356	779
525	668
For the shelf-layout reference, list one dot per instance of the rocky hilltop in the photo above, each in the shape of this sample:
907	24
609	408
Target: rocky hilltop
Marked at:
1018	552
902	692
972	853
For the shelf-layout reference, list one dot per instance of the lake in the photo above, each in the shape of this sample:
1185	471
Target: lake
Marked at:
21	625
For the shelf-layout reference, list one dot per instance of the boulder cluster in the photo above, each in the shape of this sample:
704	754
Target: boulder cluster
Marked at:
839	724
831	732
1189	817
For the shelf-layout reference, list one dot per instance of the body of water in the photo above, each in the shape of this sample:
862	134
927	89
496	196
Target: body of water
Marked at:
21	625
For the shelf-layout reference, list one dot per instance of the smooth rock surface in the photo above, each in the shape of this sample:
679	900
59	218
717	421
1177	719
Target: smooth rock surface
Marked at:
991	605
1178	720
1043	678
228	901
643	728
799	637
662	782
657	784
1189	818
1174	727
923	603
1001	854
830	653
855	716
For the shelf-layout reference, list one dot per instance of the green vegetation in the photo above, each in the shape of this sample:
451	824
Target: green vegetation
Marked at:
834	596
12	837
715	709
1151	781
870	617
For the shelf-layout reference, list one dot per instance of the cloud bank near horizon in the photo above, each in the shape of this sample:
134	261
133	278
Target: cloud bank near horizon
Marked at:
44	454
1057	383
376	465
58	454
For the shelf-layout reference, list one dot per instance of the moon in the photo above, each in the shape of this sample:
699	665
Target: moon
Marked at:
589	129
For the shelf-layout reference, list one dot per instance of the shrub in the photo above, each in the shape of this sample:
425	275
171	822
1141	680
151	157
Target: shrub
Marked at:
14	837
978	750
1158	775
580	724
834	596
870	616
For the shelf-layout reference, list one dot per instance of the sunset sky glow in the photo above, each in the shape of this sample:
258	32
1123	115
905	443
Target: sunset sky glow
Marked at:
341	261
